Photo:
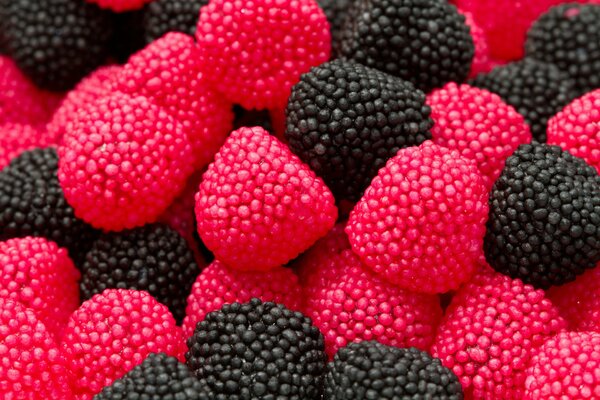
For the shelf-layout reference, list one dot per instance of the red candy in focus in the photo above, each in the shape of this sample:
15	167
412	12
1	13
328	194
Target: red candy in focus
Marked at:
123	162
420	224
259	73
577	128
113	332
41	276
479	125
349	304
259	206
91	89
167	71
32	367
489	331
565	367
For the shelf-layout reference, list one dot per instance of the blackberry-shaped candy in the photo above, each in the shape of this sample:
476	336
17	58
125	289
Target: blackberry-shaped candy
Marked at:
153	258
426	42
32	203
544	219
336	12
218	285
159	377
371	370
568	36
258	350
346	120
55	42
162	16
536	89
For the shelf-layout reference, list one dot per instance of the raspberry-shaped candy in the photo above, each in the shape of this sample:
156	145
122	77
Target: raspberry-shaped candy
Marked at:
254	51
259	206
42	277
162	16
55	42
506	22
421	222
153	258
113	332
123	162
120	5
481	60
166	71
159	377
257	350
348	303
544	221
479	125
535	89
577	128
579	301
218	285
89	90
371	370
568	36
20	101
489	330
16	138
32	203
346	120
426	42
565	367
32	366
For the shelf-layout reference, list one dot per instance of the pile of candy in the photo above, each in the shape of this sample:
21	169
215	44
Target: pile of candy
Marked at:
299	199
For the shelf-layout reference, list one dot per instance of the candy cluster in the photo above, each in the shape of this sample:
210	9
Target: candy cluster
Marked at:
299	199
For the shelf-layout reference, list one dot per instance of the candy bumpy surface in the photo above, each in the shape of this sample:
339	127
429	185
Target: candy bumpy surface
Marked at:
32	365
218	285
153	258
565	366
159	377
123	162
577	128
479	125
345	121
257	350
544	222
489	332
41	276
349	303
112	333
259	206
167	73
420	223
259	73
371	370
426	42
